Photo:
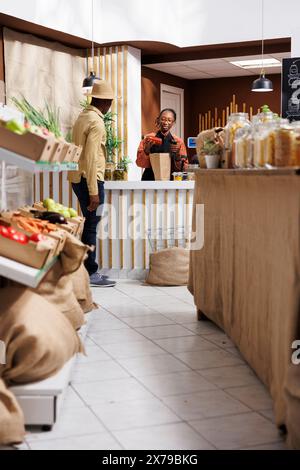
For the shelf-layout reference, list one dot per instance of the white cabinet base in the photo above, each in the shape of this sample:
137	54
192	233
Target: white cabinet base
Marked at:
41	402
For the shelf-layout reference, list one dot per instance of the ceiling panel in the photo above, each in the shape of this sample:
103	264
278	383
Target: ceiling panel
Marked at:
216	68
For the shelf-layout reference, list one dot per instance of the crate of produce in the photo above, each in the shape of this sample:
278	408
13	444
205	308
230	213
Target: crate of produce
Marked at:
29	145
33	252
75	222
29	226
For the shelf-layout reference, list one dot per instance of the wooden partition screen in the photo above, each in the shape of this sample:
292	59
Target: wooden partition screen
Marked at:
219	117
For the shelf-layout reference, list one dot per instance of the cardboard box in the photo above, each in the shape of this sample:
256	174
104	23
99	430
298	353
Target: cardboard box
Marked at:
69	155
76	155
29	145
56	155
64	151
26	254
59	235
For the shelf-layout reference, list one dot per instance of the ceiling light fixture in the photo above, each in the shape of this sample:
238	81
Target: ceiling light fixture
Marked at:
257	63
88	81
262	84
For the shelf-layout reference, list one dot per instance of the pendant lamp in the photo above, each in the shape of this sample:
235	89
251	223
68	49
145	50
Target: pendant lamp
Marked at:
87	84
262	84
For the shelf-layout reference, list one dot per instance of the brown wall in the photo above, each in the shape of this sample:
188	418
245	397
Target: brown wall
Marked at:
208	94
202	96
151	80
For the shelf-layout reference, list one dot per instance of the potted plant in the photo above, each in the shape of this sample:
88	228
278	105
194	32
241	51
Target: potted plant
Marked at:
121	172
212	152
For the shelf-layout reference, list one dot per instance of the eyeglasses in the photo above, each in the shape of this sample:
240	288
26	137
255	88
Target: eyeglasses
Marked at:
170	120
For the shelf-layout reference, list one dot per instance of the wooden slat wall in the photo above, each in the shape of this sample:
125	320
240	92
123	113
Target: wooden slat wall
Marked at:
219	117
140	216
112	66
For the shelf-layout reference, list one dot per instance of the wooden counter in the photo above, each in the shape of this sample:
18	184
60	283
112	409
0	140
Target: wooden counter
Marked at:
247	277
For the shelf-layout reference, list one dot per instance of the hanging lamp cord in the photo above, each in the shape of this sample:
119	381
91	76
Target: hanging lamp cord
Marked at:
262	73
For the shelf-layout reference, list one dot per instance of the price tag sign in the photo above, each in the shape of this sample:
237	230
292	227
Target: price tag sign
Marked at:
191	142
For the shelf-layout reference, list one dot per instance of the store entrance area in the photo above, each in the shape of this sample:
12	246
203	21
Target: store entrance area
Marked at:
154	377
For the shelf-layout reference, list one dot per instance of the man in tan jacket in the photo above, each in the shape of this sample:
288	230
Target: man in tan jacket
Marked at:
88	181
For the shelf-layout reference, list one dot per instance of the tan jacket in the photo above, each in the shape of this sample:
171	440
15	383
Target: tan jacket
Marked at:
89	131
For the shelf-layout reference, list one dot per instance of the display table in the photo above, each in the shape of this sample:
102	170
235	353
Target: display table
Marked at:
246	279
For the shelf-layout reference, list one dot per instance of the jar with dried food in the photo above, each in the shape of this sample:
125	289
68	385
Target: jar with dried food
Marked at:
283	144
236	121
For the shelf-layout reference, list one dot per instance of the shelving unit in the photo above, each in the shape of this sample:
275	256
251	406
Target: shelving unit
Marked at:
40	402
23	274
32	166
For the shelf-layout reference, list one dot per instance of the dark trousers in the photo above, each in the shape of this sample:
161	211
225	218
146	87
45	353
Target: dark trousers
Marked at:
89	235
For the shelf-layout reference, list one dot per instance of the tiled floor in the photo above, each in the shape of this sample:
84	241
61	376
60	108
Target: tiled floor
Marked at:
155	378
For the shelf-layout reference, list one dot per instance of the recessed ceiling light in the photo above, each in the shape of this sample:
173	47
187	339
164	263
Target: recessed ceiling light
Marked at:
257	63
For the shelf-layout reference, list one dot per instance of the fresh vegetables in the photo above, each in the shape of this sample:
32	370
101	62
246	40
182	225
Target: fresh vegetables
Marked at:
34	225
52	206
48	118
52	217
12	234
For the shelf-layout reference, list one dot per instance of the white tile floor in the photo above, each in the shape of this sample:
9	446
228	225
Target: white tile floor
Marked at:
155	378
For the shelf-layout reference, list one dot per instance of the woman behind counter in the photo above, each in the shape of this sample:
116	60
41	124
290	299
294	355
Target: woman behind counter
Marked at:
170	144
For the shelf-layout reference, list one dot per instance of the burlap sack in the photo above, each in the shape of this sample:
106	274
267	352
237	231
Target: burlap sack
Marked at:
161	166
81	288
169	267
12	429
57	289
57	286
38	339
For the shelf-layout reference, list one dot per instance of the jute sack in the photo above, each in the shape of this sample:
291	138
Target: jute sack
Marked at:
81	288
12	429
39	339
169	267
161	166
57	286
57	289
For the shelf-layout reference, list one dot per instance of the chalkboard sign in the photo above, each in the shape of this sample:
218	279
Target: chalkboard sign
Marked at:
291	89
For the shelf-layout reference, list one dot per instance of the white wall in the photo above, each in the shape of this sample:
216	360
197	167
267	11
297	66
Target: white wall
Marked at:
134	105
180	22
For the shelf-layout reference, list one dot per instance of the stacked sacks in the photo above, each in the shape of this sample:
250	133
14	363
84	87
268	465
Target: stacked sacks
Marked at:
38	327
39	341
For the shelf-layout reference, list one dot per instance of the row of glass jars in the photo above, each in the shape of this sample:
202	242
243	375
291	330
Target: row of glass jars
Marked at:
266	142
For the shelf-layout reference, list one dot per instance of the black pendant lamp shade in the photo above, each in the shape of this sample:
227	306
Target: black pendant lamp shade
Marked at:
89	81
262	84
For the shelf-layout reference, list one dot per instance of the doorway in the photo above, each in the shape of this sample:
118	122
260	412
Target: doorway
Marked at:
173	97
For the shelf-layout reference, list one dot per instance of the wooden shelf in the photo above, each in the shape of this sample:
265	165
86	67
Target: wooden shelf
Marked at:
21	273
32	166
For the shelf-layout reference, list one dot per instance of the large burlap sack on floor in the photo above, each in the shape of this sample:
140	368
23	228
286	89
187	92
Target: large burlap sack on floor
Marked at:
39	339
169	267
161	166
12	429
81	288
57	286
